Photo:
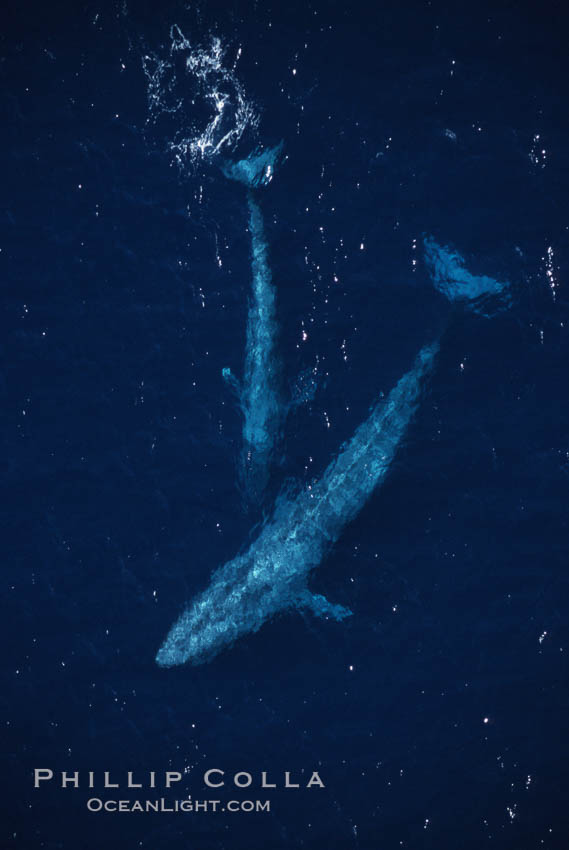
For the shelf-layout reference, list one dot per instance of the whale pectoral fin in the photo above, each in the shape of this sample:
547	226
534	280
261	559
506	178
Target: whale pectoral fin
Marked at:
322	607
232	381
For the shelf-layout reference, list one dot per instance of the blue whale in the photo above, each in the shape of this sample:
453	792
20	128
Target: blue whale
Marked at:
272	575
260	391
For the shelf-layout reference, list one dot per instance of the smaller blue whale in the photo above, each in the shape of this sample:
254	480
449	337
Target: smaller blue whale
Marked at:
260	391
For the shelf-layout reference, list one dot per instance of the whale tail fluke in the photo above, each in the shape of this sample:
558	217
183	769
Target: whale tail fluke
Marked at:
257	169
481	294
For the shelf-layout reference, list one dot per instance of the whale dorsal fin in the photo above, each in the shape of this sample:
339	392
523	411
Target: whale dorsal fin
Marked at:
322	607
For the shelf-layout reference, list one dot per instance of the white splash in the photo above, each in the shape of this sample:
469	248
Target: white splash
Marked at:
202	85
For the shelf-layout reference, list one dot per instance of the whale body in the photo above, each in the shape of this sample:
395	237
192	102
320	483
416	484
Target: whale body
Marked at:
272	575
260	392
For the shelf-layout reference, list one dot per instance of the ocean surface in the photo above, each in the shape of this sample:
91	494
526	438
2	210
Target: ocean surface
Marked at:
437	716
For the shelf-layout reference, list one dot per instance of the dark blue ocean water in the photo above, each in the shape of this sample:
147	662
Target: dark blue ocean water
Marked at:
437	716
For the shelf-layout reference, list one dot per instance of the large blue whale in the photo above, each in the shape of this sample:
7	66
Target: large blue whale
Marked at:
272	575
260	391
